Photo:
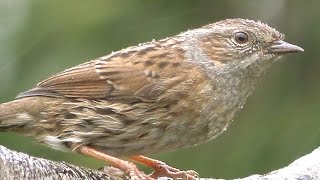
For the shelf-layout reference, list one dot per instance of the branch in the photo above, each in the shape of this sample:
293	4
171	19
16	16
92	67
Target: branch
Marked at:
16	165
305	168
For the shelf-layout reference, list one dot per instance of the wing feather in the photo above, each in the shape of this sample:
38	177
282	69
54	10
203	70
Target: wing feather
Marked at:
130	78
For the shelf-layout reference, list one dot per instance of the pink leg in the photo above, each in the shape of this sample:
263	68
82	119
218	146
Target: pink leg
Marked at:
163	170
128	167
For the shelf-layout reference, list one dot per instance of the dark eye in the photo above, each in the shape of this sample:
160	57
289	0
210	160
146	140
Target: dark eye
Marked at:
241	37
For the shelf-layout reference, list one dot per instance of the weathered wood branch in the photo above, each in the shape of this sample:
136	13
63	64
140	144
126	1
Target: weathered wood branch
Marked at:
16	165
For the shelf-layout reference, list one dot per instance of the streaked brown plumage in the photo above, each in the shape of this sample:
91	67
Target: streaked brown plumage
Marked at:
162	95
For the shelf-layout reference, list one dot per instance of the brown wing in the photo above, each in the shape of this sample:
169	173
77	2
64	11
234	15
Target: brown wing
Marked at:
81	81
128	77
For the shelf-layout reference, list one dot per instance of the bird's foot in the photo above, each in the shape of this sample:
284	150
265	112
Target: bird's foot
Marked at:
160	168
163	170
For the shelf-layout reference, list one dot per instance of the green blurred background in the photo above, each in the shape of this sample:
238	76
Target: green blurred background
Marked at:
279	123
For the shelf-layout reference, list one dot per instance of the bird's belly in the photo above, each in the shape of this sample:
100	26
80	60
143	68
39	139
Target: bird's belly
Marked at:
178	135
146	136
156	140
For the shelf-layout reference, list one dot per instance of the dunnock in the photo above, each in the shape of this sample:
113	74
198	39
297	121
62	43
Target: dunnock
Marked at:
157	96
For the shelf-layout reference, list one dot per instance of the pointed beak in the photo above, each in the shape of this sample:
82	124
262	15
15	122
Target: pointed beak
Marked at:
282	47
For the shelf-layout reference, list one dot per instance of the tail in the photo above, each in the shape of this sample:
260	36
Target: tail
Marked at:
17	114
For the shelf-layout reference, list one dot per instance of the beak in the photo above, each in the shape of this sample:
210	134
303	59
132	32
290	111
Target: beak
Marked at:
282	47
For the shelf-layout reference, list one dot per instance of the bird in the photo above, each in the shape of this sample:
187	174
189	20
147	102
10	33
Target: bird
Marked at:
157	96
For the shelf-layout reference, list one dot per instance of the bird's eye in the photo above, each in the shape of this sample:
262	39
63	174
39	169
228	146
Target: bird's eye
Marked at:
241	37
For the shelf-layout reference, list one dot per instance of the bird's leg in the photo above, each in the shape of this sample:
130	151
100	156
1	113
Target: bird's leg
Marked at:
163	170
160	168
128	167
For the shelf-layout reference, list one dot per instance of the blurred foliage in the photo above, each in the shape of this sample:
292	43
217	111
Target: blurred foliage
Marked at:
279	123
